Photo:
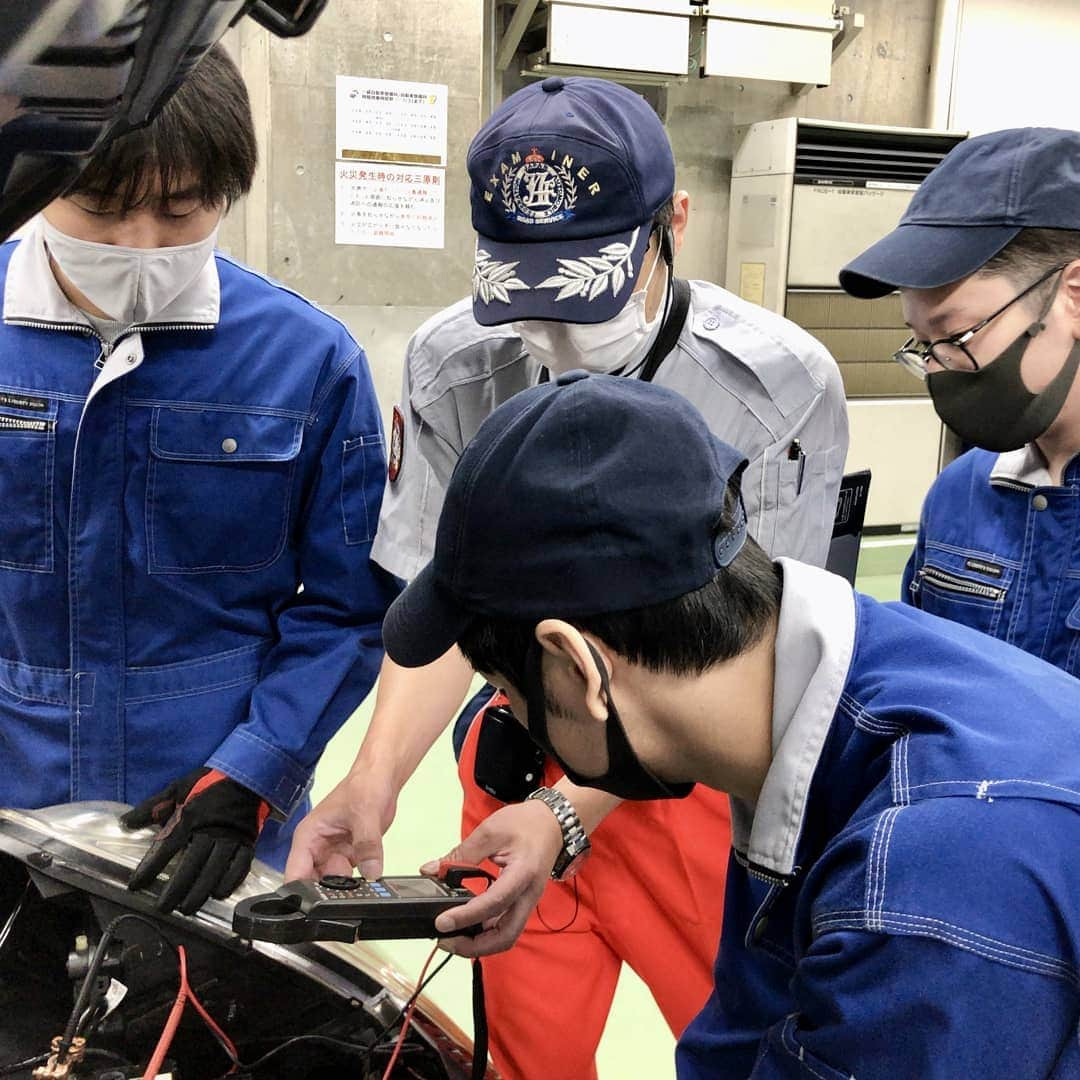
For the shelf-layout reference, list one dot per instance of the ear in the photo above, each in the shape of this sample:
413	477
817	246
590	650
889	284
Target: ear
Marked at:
566	644
681	202
1070	290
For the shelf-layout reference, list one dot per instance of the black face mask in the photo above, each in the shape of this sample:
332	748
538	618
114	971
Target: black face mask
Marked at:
626	777
992	407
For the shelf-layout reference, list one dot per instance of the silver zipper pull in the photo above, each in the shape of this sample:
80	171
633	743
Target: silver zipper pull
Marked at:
106	352
913	588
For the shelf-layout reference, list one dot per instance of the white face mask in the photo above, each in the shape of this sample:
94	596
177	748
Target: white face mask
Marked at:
131	285
621	342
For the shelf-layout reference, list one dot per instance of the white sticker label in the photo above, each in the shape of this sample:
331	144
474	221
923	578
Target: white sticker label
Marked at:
114	995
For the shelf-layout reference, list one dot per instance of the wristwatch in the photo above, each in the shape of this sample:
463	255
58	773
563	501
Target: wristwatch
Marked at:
576	846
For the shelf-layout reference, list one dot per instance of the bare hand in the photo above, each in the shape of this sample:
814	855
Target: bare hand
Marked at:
524	840
344	830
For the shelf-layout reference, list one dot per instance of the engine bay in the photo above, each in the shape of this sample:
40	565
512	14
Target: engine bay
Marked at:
280	1011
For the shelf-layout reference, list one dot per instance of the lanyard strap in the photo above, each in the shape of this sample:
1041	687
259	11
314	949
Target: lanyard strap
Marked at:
670	331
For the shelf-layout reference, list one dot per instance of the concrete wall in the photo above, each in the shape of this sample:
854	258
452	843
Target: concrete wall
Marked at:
286	226
882	78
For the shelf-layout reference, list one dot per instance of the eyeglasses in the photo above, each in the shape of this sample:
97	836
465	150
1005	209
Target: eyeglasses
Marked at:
951	353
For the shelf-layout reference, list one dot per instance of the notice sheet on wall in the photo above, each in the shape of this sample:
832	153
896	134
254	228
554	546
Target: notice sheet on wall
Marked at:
391	158
389	205
387	120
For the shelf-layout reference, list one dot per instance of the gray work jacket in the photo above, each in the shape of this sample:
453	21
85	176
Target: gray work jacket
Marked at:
762	384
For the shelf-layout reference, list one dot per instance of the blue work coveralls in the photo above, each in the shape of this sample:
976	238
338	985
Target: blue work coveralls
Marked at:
999	550
902	899
187	519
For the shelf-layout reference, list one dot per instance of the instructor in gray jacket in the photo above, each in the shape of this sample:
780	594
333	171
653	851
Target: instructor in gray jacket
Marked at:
579	222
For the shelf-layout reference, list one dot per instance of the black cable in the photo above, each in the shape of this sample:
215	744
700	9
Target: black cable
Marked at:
162	936
480	1026
9	922
387	1028
569	922
341	1044
21	1066
326	1040
82	1002
83	1010
82	1015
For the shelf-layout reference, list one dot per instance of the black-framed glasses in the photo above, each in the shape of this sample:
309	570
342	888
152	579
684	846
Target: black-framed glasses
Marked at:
951	353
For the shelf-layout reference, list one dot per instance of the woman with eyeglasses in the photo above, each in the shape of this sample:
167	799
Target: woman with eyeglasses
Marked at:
987	262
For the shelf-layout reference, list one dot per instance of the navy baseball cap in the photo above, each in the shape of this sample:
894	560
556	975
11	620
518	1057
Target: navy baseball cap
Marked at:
979	198
566	177
588	495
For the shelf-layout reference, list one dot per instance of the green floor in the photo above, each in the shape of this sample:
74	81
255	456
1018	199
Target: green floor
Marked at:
636	1043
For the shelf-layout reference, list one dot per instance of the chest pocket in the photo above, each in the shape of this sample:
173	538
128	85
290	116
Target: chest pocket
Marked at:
27	454
218	489
803	519
966	587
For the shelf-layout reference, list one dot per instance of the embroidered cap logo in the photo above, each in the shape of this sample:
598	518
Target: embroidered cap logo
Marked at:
537	193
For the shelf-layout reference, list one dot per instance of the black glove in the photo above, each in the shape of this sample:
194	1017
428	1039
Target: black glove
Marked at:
214	821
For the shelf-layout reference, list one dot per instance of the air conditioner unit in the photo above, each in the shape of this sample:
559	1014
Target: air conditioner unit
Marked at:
632	41
784	40
806	197
659	42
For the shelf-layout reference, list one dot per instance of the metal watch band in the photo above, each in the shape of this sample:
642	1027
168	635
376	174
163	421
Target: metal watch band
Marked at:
575	841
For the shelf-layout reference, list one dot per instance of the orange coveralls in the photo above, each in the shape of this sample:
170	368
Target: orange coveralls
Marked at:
650	895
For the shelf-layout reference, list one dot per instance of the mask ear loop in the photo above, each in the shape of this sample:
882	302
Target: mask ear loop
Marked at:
601	670
1039	325
605	685
666	252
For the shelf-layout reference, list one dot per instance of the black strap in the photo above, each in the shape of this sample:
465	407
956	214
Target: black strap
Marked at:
670	331
480	1028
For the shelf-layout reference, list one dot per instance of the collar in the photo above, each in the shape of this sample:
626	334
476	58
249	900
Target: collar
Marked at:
31	294
814	642
1025	467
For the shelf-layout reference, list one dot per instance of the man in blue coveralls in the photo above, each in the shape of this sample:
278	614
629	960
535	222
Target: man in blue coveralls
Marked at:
901	899
182	444
987	261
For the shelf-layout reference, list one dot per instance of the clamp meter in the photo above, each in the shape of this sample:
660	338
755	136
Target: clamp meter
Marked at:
340	908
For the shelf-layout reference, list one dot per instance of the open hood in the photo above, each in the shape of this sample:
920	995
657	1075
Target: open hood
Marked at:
63	874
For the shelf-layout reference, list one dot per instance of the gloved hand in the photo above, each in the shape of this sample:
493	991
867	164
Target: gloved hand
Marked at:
214	821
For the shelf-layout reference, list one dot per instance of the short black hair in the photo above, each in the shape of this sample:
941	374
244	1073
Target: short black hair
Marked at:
686	636
665	215
1032	253
203	136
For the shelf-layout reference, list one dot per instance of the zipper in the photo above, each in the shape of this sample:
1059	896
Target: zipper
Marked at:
1014	485
106	346
173	326
770	877
954	583
25	423
82	328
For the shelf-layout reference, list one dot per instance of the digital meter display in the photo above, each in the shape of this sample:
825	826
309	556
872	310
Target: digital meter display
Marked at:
411	888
